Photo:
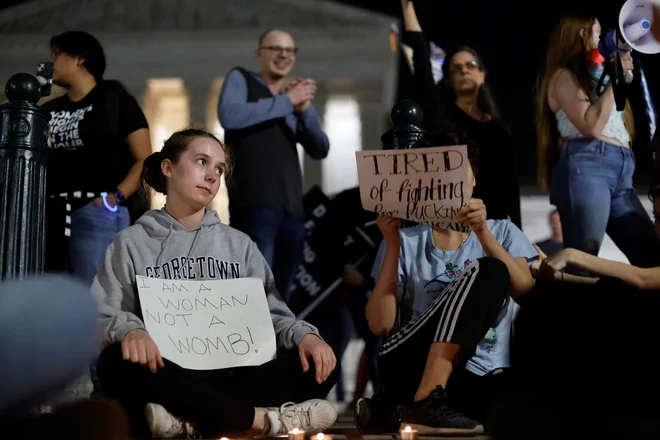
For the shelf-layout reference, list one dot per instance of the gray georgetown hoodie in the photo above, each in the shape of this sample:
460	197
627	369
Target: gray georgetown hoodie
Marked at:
158	246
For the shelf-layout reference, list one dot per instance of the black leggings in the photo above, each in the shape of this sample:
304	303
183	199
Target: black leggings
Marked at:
217	402
462	314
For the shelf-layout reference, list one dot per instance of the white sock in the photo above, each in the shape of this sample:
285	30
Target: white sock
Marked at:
274	423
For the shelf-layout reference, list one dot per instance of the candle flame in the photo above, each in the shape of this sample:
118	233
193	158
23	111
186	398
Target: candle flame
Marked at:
320	436
408	429
295	431
224	438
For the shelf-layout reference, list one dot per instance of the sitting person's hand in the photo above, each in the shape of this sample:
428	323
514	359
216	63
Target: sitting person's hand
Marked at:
138	347
552	267
536	265
324	359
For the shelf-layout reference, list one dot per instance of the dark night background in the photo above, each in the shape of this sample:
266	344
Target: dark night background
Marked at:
511	38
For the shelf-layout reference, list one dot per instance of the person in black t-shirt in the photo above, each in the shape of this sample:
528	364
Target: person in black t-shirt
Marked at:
97	143
462	103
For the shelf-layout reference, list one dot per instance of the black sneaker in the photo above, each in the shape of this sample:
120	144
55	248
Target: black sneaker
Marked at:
375	416
435	416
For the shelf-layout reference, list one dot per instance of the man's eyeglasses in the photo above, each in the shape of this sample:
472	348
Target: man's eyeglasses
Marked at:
280	49
458	67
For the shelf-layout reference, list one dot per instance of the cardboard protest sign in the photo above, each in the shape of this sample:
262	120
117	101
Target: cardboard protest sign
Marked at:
424	185
208	325
321	268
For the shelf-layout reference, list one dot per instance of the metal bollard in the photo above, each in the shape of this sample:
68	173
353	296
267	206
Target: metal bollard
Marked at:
23	144
407	117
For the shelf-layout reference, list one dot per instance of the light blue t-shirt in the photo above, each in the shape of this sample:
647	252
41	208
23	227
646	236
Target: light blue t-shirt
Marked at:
423	276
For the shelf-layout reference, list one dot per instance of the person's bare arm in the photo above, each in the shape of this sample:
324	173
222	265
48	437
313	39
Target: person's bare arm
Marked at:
559	276
589	118
474	216
640	278
382	305
521	281
139	144
410	21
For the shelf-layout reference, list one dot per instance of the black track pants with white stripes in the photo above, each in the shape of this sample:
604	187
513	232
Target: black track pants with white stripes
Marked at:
462	314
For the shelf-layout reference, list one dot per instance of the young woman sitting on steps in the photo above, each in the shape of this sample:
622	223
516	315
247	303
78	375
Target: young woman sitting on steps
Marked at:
176	401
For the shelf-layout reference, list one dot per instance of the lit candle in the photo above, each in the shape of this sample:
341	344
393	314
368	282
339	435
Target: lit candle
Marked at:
321	436
224	438
408	433
297	434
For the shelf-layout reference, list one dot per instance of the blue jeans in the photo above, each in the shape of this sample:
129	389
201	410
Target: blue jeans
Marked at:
92	230
48	333
592	188
279	237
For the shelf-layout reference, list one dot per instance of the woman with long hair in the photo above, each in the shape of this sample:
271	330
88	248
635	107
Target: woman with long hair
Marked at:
462	103
584	153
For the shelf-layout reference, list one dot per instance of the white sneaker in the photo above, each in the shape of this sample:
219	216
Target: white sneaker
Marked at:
164	425
310	415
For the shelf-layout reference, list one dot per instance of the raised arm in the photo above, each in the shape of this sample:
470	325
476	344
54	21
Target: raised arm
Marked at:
640	278
427	95
235	112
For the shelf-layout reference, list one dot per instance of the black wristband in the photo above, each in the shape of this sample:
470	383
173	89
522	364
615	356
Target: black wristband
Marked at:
119	195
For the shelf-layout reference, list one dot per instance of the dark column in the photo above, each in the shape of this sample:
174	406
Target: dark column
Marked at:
23	143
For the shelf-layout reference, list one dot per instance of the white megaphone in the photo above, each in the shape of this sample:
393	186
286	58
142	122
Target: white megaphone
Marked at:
635	23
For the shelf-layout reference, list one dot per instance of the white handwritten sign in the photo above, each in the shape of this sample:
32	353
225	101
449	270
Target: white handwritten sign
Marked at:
208	325
425	185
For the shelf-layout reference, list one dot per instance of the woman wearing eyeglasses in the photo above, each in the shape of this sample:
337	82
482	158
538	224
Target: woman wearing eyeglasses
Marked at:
462	102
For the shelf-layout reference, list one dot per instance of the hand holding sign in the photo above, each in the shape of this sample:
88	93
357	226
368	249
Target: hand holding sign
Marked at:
474	215
425	185
389	227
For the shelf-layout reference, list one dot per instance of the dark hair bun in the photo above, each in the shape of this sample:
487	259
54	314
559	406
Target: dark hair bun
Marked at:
152	176
152	173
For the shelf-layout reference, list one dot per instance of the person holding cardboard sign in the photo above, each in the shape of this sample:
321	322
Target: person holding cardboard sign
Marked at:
444	299
186	241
